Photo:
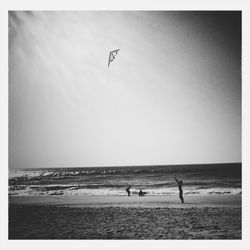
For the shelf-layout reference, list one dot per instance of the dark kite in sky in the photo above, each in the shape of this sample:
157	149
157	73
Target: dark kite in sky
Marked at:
112	55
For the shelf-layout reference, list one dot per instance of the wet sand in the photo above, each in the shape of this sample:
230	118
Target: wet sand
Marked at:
122	217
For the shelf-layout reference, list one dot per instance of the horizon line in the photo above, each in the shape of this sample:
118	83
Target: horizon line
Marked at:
146	165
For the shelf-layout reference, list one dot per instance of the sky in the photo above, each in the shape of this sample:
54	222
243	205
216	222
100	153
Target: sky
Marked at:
171	96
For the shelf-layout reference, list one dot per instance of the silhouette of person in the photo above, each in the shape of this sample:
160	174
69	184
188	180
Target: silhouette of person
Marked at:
128	190
180	182
140	193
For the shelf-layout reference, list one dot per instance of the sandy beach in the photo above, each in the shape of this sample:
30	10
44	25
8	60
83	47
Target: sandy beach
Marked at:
122	217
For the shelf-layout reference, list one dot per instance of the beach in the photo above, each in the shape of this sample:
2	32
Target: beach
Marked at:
92	203
123	217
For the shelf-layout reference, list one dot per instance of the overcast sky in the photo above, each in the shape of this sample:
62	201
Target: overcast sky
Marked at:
171	96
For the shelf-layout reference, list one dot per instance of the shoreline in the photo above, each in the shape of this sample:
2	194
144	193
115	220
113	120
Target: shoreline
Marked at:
131	201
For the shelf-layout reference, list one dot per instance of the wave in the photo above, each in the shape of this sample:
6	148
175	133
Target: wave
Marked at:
33	190
155	180
196	170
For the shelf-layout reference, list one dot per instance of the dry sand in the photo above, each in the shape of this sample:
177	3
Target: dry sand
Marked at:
121	217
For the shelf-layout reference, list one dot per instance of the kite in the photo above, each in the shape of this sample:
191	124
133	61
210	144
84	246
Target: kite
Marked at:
112	55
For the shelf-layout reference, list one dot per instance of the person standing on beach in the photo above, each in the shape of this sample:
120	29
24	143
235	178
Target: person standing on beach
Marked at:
128	190
180	182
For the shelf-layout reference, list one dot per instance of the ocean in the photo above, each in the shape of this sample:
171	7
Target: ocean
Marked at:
153	180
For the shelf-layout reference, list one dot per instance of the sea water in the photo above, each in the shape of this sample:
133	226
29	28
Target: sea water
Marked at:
153	180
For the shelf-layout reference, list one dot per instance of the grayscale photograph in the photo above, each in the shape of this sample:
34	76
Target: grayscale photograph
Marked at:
125	125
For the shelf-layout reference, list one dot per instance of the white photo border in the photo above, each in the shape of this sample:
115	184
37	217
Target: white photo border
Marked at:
240	5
